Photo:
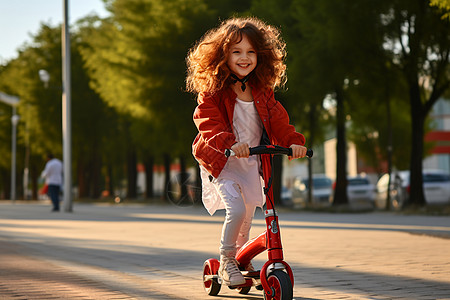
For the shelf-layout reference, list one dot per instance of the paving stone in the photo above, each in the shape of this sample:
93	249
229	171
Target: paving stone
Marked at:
157	252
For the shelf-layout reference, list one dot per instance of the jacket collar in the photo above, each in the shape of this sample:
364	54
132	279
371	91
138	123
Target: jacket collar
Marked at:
256	92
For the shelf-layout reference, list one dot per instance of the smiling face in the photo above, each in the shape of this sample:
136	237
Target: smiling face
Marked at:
242	58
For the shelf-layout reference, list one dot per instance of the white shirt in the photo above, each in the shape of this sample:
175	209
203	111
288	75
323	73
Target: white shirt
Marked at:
53	172
248	128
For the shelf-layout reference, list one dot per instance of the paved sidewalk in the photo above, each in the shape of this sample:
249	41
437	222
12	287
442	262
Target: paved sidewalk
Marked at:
157	252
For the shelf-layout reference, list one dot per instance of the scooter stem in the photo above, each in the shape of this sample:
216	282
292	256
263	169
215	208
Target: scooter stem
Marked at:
270	239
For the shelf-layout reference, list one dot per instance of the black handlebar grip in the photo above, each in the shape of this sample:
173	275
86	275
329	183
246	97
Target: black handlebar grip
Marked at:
289	151
271	150
309	152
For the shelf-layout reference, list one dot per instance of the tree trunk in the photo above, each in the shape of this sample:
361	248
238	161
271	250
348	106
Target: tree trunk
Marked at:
416	196
167	184
6	184
149	164
34	176
340	192
83	186
312	125
96	189
198	185
109	181
132	174
183	179
389	151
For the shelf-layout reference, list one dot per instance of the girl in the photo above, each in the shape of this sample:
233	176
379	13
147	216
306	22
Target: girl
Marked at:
234	69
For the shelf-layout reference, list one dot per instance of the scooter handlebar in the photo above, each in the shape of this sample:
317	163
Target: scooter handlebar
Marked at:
269	149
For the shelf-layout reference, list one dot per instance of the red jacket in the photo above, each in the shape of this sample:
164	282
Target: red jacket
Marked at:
214	118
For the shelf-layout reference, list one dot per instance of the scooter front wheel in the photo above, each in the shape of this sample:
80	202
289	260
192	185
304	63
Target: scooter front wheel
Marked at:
280	285
210	283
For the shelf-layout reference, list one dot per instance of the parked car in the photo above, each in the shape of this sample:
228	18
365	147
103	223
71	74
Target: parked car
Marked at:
361	189
321	192
436	186
286	196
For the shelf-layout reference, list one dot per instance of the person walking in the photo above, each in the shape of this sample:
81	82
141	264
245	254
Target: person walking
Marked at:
53	174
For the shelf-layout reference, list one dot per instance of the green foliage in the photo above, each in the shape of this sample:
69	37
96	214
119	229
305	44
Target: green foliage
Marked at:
40	106
325	47
331	43
444	5
136	62
370	133
128	74
5	136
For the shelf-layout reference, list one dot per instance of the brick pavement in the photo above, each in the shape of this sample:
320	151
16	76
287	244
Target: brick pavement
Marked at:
156	252
26	277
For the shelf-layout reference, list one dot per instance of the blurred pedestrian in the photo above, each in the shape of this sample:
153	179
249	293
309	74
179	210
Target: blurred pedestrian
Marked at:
53	174
234	69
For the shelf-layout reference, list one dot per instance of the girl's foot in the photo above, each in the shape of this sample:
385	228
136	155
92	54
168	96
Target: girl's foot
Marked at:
229	271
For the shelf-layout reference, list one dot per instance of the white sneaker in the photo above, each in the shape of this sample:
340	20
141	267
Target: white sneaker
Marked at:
250	267
229	272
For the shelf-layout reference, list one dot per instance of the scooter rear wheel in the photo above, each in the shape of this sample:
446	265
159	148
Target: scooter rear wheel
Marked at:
281	286
211	267
244	290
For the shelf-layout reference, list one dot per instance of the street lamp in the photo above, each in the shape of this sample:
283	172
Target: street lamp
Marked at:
14	121
66	107
13	101
45	77
66	104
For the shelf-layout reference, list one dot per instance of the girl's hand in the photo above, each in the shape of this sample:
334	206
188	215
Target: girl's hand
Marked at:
241	149
297	151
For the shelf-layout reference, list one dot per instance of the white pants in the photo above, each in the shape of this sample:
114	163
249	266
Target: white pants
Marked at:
238	219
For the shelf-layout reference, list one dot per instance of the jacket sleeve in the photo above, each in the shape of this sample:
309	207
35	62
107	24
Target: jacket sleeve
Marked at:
284	133
212	124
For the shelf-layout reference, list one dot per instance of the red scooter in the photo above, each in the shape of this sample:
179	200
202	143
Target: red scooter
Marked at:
275	277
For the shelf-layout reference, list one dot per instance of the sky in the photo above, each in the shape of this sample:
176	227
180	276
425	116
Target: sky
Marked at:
20	18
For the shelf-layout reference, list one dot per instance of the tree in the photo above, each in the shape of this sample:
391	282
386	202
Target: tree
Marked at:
418	40
5	145
302	96
40	109
379	123
39	129
332	49
136	63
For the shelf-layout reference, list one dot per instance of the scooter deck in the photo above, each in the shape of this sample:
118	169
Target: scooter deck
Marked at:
246	274
251	274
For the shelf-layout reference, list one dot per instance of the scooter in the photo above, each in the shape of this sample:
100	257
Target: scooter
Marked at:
275	278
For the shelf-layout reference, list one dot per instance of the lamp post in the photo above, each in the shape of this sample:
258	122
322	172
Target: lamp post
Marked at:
67	111
66	107
14	121
13	101
45	77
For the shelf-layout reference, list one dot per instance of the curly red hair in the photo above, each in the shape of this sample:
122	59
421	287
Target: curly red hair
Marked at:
207	69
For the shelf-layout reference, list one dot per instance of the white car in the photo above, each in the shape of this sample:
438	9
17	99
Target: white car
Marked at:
322	190
436	186
360	188
286	196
